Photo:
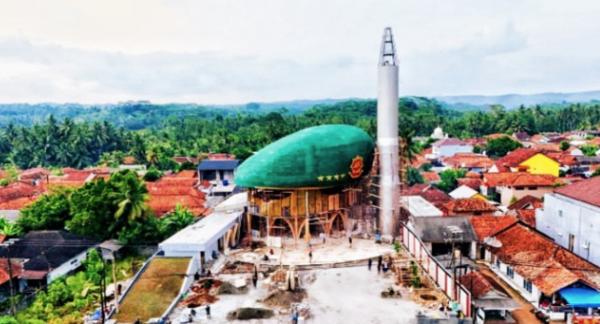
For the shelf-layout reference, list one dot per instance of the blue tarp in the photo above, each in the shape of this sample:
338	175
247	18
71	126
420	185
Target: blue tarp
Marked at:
581	296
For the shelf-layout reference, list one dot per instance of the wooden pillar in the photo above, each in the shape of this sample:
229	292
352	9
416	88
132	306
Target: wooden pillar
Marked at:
307	218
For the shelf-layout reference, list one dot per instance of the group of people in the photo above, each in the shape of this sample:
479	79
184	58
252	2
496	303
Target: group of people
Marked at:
381	266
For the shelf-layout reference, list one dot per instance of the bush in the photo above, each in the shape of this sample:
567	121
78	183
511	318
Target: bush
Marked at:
499	147
152	174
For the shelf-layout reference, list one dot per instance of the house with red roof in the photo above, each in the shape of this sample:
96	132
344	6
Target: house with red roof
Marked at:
173	190
17	196
486	298
525	208
550	277
468	207
430	193
469	161
571	216
431	177
507	187
529	160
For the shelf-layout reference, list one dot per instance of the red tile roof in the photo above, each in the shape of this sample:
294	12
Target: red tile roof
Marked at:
527	216
527	202
564	158
428	192
170	191
450	141
587	191
35	173
18	190
430	176
518	179
469	182
487	226
468	205
476	283
547	265
469	160
515	158
17	270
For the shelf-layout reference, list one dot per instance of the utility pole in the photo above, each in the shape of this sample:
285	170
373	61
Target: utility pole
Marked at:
10	279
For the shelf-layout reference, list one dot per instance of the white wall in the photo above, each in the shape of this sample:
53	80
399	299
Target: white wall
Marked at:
507	193
450	150
67	267
517	282
562	216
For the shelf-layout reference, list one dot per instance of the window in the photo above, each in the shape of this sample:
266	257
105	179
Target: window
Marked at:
527	285
498	263
571	242
519	188
510	272
532	188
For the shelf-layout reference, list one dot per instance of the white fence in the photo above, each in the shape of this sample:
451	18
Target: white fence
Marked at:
444	279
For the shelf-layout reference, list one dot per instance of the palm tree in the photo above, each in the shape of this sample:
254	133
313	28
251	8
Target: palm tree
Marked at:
130	196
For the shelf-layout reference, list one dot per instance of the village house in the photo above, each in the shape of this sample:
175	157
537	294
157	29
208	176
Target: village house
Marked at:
472	180
17	196
468	207
47	255
508	187
525	208
488	302
430	177
548	276
485	227
217	173
571	217
430	193
527	160
441	234
450	146
175	190
464	191
473	162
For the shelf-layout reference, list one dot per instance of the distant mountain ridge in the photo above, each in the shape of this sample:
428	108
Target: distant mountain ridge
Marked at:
515	100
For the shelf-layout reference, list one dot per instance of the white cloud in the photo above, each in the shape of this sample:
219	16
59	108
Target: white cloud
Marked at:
225	51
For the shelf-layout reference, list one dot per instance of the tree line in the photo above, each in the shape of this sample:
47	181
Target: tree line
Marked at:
62	143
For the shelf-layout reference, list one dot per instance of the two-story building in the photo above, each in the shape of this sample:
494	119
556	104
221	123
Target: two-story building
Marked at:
571	216
508	187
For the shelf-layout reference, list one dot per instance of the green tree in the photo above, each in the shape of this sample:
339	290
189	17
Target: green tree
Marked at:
49	212
589	150
414	176
448	179
564	145
499	147
152	174
175	221
130	195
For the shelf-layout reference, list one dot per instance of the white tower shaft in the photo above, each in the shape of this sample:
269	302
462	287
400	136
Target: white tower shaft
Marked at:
387	135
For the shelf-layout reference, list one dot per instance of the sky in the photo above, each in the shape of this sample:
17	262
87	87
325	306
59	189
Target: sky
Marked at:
226	51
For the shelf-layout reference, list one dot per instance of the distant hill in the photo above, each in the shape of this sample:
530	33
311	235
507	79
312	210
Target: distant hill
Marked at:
292	106
510	101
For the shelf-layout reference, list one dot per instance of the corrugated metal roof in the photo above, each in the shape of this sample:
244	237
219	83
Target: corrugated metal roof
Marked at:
209	165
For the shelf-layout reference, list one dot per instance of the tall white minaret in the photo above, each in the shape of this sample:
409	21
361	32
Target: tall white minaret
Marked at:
387	135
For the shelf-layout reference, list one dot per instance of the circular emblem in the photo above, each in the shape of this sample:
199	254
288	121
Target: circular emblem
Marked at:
356	167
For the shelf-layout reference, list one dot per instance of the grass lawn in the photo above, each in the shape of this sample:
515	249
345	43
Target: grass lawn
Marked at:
154	291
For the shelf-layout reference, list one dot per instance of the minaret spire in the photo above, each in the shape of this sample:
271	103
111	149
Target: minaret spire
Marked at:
387	135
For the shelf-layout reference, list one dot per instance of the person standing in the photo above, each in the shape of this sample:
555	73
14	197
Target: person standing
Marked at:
350	240
370	263
379	263
310	256
208	311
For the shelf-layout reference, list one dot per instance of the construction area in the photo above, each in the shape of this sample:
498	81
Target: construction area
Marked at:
338	287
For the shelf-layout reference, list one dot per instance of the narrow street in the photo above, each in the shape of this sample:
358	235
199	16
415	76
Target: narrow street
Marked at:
523	314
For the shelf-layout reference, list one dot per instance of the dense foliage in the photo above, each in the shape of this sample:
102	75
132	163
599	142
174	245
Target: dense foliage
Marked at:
190	130
448	179
101	209
499	147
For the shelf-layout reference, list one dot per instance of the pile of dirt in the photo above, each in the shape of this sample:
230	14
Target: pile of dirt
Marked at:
238	267
202	292
279	276
248	313
284	298
227	288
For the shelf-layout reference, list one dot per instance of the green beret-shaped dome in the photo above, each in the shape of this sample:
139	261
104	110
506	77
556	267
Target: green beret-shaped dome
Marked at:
320	156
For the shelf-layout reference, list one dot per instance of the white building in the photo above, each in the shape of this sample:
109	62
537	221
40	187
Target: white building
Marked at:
450	146
211	235
571	216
